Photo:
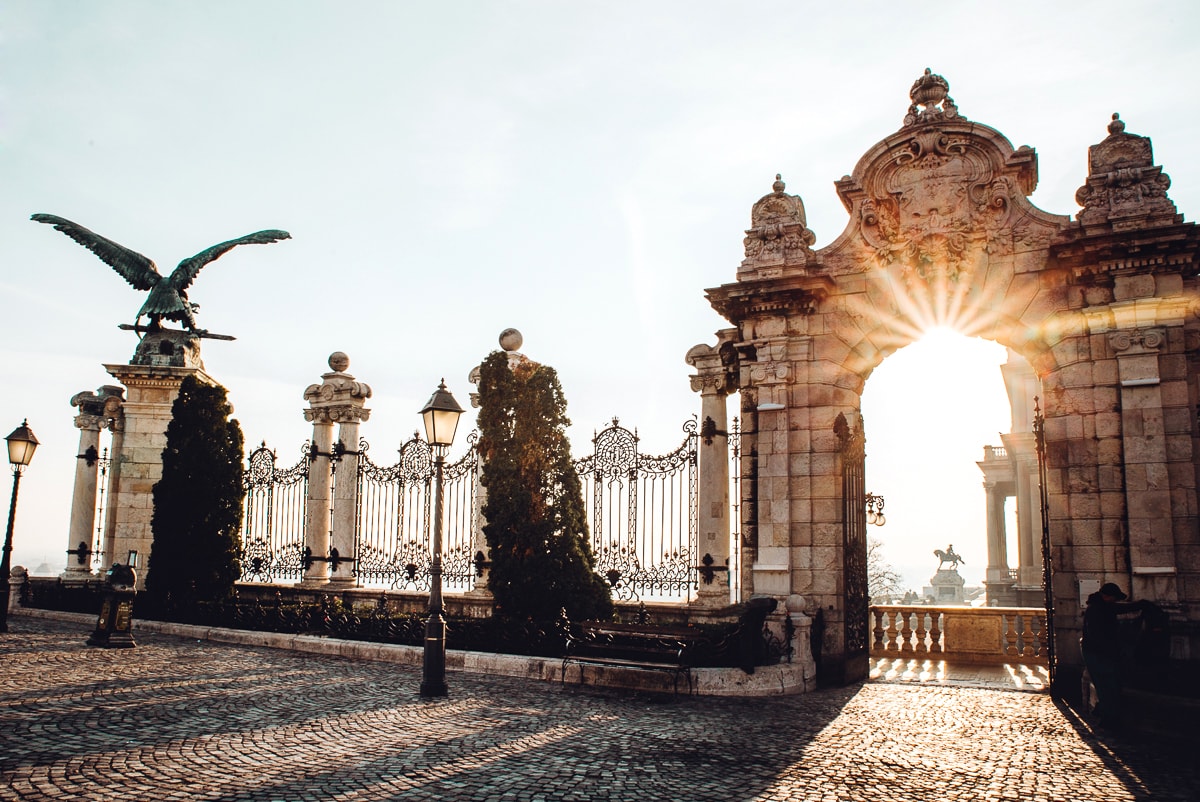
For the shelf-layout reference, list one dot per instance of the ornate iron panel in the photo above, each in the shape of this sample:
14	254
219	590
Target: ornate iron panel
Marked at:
394	529
274	517
643	514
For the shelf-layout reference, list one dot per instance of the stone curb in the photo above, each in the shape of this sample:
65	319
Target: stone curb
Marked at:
778	680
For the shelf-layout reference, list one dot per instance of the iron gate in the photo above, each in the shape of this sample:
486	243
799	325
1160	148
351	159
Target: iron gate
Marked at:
274	517
852	448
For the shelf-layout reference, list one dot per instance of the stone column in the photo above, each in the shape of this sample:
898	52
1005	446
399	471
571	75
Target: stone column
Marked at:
319	502
331	529
713	382
89	421
997	539
345	493
1029	519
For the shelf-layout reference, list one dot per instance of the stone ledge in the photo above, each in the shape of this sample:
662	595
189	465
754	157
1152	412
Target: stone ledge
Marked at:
779	680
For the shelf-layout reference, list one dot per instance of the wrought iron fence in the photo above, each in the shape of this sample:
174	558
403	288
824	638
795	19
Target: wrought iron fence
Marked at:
642	510
104	465
643	515
274	517
393	532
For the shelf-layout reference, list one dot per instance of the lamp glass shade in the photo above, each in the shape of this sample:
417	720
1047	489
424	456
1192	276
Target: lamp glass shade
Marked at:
21	445
441	416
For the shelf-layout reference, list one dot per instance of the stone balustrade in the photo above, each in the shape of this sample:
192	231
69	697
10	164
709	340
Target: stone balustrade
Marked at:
964	634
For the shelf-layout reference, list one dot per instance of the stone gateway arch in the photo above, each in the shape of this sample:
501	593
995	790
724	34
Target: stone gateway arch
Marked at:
942	233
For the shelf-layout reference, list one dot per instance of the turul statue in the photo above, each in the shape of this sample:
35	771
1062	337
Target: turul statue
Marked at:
168	295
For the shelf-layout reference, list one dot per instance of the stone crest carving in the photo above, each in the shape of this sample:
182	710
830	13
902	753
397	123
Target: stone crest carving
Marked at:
942	196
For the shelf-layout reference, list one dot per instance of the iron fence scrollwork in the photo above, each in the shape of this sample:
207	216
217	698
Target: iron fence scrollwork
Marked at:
274	517
643	514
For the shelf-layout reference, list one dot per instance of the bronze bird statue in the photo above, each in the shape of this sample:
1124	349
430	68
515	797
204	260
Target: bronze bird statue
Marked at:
168	295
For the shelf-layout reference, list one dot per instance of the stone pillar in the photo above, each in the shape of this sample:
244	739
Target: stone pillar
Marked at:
345	493
151	391
1029	519
713	382
331	530
89	421
997	536
318	525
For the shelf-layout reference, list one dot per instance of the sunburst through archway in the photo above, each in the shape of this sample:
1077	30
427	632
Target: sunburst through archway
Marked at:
929	409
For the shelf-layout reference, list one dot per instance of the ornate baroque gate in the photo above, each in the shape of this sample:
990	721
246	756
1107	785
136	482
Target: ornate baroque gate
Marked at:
941	233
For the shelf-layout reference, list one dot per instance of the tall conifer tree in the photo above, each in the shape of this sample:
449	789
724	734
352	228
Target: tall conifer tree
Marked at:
536	519
198	502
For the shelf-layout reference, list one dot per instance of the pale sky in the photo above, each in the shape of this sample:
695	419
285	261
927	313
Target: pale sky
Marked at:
580	171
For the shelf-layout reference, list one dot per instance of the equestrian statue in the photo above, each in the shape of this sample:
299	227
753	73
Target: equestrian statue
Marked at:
948	556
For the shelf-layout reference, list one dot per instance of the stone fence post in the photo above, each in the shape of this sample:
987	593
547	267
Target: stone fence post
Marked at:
714	383
333	473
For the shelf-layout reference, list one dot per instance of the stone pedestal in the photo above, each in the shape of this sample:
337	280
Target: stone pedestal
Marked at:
151	391
946	587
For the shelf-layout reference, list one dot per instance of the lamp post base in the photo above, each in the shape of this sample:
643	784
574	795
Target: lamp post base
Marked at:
433	681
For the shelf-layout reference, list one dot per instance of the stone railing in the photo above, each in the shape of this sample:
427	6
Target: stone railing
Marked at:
967	634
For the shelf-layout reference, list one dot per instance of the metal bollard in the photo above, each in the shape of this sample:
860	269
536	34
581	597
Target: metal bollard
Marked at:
115	622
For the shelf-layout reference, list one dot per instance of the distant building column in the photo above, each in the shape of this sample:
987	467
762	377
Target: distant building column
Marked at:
713	382
997	535
330	538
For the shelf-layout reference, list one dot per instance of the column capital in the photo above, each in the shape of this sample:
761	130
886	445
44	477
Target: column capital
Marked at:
339	397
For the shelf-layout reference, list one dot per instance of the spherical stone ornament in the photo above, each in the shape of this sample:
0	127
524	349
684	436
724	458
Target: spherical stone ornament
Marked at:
511	339
339	361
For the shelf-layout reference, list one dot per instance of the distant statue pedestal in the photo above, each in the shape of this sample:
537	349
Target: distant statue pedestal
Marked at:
946	587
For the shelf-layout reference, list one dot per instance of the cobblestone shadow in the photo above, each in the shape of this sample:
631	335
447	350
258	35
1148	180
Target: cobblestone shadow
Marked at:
184	720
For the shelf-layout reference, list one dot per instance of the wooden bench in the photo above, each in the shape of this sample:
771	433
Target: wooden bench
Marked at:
665	649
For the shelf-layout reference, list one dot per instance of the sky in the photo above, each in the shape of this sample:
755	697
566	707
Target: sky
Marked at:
579	171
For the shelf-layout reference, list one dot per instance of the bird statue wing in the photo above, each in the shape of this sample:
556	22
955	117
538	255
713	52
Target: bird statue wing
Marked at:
183	276
133	267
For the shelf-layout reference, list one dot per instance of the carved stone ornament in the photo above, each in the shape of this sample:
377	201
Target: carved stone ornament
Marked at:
169	348
99	408
338	397
779	241
931	101
940	197
1137	341
1124	187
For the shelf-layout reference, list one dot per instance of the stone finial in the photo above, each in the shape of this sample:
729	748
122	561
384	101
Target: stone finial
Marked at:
779	186
339	361
931	92
511	340
1116	126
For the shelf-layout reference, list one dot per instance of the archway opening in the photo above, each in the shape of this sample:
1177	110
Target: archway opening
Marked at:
933	411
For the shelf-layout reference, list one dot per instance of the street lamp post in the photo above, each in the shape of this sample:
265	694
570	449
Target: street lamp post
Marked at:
441	415
21	445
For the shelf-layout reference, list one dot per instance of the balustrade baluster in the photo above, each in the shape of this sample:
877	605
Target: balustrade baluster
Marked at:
920	644
877	631
1026	638
893	642
906	633
935	633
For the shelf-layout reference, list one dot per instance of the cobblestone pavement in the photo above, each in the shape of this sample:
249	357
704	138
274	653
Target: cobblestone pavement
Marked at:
178	719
